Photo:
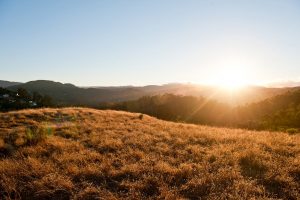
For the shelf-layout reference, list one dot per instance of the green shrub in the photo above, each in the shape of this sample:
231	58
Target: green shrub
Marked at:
292	130
35	134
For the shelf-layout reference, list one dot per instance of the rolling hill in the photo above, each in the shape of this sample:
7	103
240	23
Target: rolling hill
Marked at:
68	94
80	153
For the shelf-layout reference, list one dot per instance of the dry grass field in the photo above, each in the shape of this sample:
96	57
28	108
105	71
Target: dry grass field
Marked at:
79	153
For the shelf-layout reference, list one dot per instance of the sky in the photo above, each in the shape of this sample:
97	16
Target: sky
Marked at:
141	42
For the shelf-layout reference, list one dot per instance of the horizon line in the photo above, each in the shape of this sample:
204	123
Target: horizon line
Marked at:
271	84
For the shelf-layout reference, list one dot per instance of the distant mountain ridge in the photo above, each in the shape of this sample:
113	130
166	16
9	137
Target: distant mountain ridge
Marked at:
5	84
69	94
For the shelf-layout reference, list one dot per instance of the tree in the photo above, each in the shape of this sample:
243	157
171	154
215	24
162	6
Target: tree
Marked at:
46	101
23	94
37	98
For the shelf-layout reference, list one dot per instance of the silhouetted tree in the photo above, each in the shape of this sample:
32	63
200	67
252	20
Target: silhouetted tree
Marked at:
46	101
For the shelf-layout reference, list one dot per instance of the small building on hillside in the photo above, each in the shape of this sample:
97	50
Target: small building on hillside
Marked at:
4	96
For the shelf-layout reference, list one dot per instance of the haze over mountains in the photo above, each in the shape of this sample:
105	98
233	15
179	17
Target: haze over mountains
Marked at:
281	84
69	94
5	84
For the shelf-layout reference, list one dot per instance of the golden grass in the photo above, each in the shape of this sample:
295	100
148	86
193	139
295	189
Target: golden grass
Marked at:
78	153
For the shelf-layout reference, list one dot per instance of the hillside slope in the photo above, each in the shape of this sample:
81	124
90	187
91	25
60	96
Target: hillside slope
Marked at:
91	154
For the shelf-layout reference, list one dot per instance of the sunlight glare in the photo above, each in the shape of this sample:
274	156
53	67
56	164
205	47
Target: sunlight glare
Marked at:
231	78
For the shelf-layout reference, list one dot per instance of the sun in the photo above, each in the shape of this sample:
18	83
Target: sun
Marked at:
231	78
231	81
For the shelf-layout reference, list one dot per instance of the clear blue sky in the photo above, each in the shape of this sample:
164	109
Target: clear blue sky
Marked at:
136	42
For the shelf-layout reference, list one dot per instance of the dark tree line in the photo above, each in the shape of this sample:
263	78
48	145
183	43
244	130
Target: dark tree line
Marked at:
176	108
278	113
21	99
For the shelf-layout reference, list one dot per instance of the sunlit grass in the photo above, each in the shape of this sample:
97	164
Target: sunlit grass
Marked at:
90	154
